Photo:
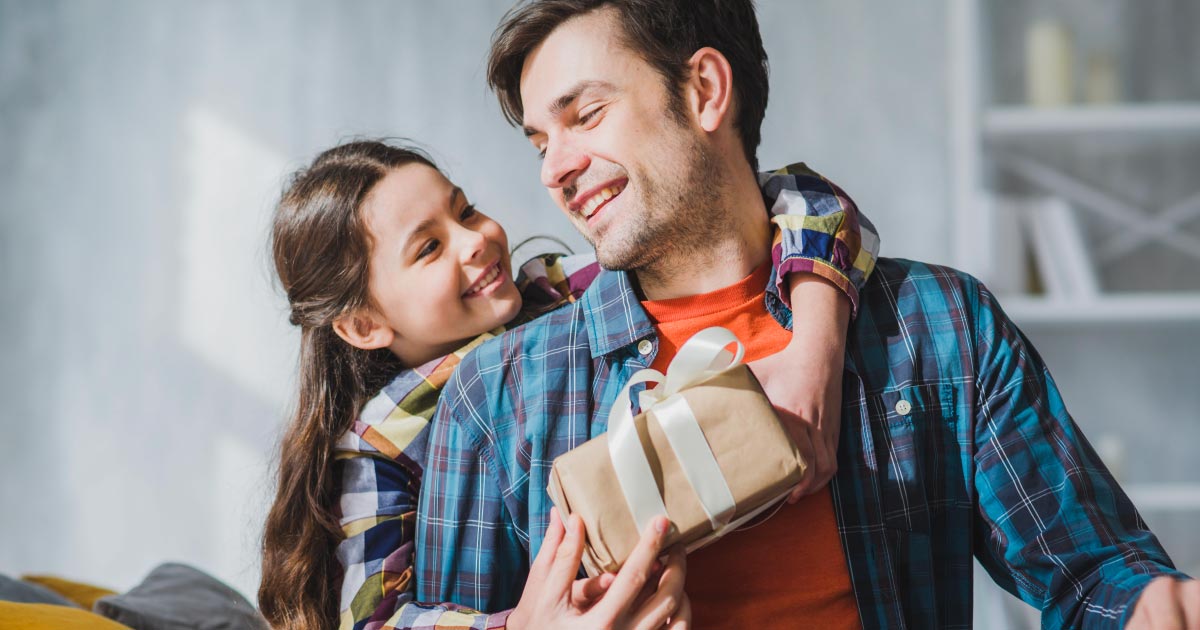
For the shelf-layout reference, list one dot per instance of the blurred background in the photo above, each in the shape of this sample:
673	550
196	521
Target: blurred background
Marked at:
1050	147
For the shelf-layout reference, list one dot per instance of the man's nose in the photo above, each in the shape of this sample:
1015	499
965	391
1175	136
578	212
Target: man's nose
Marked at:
564	162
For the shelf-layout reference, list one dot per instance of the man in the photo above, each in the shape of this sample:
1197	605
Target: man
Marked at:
955	442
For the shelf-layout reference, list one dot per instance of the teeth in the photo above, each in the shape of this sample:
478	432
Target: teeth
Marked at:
484	281
589	208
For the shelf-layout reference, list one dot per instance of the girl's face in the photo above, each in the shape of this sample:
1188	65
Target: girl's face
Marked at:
440	270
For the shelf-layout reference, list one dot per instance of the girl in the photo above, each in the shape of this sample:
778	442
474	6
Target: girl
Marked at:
393	276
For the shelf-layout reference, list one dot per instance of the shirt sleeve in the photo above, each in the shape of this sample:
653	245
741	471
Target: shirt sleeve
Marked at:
820	231
378	513
1055	529
470	550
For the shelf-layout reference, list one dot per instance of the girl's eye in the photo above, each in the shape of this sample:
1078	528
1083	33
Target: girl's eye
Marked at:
429	248
468	212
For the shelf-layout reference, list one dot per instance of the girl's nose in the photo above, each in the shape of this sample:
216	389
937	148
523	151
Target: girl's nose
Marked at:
473	244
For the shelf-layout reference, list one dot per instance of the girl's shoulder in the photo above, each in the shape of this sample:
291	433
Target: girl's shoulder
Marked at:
551	280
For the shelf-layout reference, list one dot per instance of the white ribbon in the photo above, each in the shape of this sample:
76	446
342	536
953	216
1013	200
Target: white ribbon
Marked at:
701	357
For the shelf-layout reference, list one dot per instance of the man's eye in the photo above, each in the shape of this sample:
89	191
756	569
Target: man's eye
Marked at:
585	118
468	212
429	248
541	154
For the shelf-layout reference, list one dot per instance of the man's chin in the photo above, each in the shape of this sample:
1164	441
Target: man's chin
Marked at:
622	258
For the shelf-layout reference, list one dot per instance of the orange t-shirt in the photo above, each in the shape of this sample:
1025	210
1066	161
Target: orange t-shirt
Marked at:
789	569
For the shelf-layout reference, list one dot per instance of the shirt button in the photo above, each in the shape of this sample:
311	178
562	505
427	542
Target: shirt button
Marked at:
903	407
645	346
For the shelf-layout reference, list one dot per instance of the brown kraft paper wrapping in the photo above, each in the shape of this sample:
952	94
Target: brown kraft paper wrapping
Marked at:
757	458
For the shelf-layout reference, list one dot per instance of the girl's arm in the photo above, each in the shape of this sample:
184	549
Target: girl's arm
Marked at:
824	251
379	465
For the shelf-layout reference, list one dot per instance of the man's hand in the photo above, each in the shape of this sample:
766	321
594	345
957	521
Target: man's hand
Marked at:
642	596
804	381
1167	603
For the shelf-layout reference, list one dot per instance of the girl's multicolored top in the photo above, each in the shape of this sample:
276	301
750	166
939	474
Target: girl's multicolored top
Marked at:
379	461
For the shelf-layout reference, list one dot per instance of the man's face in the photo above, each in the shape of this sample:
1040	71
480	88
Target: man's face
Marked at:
628	171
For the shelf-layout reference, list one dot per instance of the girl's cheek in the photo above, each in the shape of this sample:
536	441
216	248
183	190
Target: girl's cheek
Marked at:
496	233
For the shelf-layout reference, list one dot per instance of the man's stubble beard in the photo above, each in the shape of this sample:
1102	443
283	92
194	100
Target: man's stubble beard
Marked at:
682	218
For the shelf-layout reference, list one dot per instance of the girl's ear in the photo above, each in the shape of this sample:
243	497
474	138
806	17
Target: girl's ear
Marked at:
364	330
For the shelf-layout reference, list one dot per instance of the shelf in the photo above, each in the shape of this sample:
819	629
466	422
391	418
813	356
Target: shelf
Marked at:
1018	121
1110	309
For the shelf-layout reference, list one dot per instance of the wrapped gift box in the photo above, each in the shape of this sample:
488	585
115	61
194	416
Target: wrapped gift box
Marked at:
757	461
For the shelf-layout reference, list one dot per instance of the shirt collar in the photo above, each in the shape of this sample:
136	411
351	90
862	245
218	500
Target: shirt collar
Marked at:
614	316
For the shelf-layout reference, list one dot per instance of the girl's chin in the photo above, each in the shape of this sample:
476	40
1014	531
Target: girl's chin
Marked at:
498	310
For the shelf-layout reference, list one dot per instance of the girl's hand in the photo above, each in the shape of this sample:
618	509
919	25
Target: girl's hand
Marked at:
804	380
553	598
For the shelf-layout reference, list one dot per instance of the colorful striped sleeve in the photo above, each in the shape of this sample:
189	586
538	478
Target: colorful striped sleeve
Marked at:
821	231
379	465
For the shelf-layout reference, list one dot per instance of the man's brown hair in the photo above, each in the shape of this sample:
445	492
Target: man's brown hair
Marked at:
663	32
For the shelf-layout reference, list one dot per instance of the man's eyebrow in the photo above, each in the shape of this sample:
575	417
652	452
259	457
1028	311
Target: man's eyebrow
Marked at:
427	224
564	101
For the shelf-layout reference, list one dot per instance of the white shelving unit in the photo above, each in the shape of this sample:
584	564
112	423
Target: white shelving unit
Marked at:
1015	122
986	138
983	135
1131	308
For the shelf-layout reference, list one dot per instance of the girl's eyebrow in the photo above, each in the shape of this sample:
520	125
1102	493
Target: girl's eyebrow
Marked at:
428	223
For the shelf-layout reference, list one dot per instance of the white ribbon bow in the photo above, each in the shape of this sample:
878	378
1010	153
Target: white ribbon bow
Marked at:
700	358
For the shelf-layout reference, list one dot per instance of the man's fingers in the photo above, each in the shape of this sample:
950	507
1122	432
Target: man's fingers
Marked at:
1158	607
554	535
665	601
565	566
1168	612
635	572
586	591
1189	594
682	619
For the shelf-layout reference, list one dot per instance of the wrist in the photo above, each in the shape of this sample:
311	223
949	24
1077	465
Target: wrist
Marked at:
512	619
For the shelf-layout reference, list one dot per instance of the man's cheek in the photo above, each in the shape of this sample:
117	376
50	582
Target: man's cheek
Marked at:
557	197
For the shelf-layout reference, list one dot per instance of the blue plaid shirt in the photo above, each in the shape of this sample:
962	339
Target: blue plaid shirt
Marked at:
955	444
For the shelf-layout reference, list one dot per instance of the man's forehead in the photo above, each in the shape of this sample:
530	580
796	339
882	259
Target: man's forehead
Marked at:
583	50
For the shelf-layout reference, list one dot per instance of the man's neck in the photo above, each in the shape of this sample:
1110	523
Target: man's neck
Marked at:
728	257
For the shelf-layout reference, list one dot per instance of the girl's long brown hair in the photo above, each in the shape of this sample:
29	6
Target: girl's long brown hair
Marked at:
321	246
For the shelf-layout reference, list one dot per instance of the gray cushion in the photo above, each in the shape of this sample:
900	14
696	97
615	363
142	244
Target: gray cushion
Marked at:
22	592
179	597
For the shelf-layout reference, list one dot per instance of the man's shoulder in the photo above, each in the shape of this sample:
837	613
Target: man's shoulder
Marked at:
921	305
899	288
916	275
520	359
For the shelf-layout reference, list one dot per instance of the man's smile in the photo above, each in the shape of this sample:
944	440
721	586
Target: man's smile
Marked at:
595	198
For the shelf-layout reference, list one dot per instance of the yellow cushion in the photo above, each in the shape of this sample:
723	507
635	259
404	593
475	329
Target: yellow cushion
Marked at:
83	594
50	617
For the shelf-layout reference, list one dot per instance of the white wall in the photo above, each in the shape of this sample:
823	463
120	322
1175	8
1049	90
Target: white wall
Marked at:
147	364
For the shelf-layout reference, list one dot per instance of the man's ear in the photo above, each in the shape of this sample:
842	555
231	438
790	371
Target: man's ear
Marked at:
364	329
710	88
